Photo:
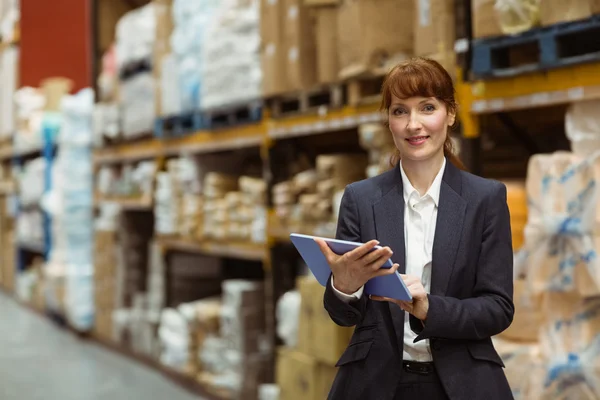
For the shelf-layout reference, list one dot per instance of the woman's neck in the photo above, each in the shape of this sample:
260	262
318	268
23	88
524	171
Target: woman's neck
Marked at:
421	174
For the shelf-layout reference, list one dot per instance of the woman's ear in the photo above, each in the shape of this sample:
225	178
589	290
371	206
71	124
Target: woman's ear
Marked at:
451	118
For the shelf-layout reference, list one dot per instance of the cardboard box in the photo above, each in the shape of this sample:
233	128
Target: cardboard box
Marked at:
306	287
555	11
484	19
327	42
273	52
330	350
301	377
300	46
435	31
528	315
376	34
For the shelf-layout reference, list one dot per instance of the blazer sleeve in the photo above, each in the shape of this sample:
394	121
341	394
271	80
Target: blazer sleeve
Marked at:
348	228
490	311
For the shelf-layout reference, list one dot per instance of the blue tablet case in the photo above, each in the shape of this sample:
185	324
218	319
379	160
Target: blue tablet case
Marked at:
391	286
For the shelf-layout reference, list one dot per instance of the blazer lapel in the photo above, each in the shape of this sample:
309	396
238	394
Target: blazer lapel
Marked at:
448	230
389	225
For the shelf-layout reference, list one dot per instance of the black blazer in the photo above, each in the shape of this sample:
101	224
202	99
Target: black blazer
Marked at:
471	289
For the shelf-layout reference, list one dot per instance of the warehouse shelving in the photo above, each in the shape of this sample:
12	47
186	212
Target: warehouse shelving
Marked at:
539	89
242	251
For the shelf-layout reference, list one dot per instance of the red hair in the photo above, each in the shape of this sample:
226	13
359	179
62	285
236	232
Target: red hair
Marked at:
425	78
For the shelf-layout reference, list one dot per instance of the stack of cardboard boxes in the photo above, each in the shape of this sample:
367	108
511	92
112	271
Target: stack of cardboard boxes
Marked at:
309	42
435	32
309	198
378	141
234	364
307	371
234	208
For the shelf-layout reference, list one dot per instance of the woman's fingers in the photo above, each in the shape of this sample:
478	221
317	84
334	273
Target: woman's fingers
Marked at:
374	256
360	251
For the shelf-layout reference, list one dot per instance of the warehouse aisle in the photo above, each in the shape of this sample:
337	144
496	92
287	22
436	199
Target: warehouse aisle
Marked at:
41	361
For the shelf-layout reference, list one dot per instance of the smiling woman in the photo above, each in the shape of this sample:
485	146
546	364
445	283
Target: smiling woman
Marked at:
447	233
418	98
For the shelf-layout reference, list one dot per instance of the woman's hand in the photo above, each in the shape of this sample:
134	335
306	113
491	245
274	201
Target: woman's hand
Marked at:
419	306
353	269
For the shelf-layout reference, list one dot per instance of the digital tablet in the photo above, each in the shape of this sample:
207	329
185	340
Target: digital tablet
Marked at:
391	286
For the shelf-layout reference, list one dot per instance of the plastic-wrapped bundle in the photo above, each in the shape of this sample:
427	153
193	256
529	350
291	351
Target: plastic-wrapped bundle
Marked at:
231	65
582	126
190	21
561	235
516	16
8	85
70	204
135	35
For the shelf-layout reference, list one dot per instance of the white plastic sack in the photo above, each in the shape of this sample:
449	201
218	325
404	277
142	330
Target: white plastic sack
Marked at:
582	126
288	316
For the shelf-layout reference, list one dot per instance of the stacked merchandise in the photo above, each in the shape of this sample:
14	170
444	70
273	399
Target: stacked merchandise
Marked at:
190	20
128	181
9	57
326	40
136	318
178	200
9	19
235	362
106	111
182	332
216	217
230	55
558	301
69	203
247	211
312	197
504	17
378	141
31	283
305	371
135	36
31	184
434	31
136	255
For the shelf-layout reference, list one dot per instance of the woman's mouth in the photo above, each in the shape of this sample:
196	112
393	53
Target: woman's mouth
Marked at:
417	140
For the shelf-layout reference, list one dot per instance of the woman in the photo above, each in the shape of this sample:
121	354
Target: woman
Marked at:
448	233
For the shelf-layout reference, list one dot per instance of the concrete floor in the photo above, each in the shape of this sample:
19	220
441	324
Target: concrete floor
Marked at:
39	360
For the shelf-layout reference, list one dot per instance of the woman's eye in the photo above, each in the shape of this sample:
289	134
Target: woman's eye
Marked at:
398	111
429	108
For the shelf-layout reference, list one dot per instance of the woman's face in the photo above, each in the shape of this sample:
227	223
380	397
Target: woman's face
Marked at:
419	126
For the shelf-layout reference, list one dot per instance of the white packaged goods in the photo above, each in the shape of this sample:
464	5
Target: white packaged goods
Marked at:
70	202
106	122
231	64
10	14
8	85
137	104
29	104
135	35
190	20
288	316
582	126
561	235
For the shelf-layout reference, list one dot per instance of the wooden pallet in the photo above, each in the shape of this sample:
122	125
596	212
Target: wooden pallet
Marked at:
178	125
538	49
232	115
308	101
365	88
